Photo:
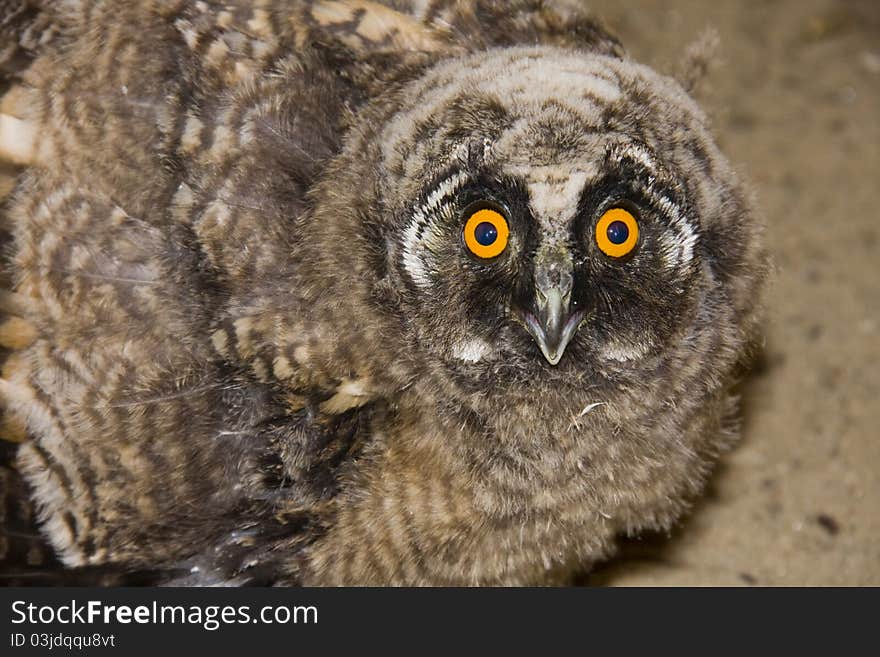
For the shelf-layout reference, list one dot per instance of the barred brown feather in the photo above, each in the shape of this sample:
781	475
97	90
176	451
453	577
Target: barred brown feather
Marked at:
259	352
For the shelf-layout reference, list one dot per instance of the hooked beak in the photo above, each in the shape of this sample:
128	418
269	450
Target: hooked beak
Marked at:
553	325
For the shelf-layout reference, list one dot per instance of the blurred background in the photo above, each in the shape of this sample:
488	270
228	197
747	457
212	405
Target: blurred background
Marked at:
794	96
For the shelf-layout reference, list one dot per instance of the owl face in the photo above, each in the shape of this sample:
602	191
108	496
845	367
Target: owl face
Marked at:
554	271
541	229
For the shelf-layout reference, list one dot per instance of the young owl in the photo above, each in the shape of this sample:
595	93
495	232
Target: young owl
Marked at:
355	292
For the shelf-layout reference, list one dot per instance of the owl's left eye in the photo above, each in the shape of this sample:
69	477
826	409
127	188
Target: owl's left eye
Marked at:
617	232
486	233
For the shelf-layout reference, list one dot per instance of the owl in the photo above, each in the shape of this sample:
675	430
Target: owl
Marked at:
348	292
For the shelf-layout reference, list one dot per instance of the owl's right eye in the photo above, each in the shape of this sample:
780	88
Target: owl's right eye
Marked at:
486	233
617	232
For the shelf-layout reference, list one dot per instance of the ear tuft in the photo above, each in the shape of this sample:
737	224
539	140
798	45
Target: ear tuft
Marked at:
697	58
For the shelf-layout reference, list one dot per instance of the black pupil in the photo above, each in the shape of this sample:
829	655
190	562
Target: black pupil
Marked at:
617	232
486	233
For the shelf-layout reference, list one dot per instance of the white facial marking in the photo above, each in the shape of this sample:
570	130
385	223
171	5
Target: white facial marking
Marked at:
678	249
420	235
624	352
687	238
471	351
554	194
640	155
554	198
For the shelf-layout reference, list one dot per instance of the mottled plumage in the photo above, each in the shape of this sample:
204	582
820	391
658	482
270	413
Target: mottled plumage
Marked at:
261	351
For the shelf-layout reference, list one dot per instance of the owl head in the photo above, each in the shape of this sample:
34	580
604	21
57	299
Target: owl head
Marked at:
555	224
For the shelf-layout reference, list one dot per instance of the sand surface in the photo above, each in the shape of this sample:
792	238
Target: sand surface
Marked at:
794	94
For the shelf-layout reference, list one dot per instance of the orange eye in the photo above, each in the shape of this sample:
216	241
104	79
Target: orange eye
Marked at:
486	233
617	232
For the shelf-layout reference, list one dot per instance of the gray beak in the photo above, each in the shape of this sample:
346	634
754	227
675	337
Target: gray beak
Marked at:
553	324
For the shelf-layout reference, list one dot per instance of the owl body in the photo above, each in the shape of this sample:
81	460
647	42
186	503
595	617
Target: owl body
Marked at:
264	351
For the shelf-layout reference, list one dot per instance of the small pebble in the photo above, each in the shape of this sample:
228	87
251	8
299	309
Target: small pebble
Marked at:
828	523
871	62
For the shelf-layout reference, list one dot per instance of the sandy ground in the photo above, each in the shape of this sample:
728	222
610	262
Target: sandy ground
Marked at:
795	97
795	100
